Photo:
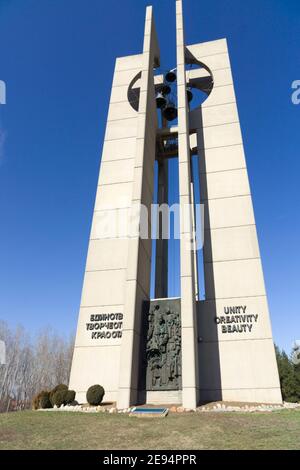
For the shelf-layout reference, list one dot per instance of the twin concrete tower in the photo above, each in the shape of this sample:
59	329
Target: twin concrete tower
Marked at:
174	350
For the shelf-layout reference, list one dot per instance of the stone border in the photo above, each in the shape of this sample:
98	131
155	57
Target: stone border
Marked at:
211	408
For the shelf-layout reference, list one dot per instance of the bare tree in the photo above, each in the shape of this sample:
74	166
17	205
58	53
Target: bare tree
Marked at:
32	365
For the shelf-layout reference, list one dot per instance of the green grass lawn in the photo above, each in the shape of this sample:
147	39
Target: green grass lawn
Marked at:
65	430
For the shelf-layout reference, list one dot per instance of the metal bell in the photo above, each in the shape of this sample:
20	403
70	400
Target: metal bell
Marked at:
165	89
189	94
171	76
170	111
160	100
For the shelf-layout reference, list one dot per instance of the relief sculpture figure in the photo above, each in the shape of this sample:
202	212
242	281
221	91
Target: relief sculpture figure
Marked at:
163	348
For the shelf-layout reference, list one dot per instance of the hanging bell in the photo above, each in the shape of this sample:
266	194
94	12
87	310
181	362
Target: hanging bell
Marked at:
165	89
160	100
189	94
171	76
170	111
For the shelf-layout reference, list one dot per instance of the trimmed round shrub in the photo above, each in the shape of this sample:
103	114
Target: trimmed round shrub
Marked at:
59	397
45	401
35	402
41	400
95	395
70	397
56	389
59	387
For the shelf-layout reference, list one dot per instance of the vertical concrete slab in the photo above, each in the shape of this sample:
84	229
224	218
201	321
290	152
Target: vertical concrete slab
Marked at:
137	289
187	276
96	357
236	352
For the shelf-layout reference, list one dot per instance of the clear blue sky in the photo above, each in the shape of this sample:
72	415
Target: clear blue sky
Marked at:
57	59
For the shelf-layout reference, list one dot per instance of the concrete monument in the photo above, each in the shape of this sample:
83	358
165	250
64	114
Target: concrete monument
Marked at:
181	350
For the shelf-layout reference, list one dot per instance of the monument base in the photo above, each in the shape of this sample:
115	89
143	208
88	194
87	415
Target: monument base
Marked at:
165	397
